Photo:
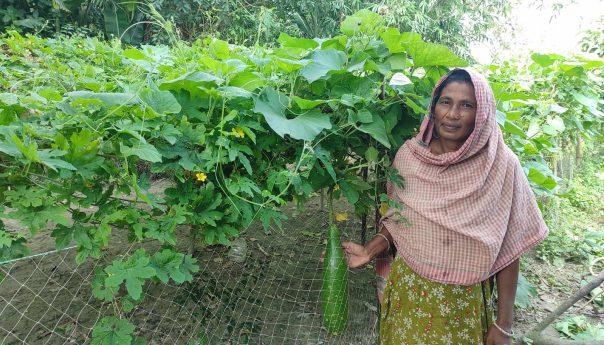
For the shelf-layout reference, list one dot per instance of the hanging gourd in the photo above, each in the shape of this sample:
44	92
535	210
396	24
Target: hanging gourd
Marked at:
334	292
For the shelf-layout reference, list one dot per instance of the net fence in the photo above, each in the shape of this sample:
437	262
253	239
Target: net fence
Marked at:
271	296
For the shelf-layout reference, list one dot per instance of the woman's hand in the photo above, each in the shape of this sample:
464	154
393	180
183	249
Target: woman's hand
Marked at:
495	337
356	255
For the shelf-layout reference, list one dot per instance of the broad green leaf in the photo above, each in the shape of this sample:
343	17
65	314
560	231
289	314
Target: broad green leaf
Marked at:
29	151
25	196
500	117
371	154
349	191
394	41
268	215
525	290
37	219
541	179
377	130
190	81
505	92
545	60
9	98
233	92
352	100
425	54
591	64
362	22
289	65
108	99
589	102
511	127
189	266
304	43
416	108
10	148
362	116
51	94
219	49
167	265
112	331
223	68
325	157
358	61
273	104
170	133
242	184
246	163
556	108
192	105
247	80
63	236
555	125
134	54
397	62
305	104
162	102
144	151
337	42
134	271
322	62
12	246
48	158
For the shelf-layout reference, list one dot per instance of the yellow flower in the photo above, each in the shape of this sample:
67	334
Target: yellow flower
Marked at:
239	132
340	217
336	187
201	176
384	208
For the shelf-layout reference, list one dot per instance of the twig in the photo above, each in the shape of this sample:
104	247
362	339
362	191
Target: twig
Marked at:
591	300
262	250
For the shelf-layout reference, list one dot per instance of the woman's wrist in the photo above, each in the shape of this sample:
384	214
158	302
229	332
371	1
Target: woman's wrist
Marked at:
504	322
385	239
378	244
507	331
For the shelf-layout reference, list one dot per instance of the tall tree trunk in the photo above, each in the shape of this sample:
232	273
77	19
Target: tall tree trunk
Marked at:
579	146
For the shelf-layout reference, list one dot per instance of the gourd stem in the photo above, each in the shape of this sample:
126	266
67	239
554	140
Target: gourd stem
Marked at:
330	204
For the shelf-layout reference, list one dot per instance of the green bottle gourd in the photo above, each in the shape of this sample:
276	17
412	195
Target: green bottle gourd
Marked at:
334	294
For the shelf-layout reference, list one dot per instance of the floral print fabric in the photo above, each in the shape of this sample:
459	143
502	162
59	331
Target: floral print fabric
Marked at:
418	311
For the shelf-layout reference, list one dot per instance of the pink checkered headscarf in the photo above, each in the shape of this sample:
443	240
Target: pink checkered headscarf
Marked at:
469	213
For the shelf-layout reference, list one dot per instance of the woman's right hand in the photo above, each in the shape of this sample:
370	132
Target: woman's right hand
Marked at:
356	254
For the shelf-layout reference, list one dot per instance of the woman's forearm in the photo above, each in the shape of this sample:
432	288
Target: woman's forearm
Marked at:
507	280
378	244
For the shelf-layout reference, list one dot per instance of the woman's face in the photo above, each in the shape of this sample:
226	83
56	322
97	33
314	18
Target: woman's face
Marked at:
455	113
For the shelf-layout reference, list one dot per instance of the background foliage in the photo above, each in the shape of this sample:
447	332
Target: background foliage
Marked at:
453	23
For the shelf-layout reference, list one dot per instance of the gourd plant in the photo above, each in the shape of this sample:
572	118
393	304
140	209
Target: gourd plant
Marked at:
237	132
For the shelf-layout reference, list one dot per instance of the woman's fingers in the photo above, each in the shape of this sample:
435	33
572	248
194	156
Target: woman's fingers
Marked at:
351	247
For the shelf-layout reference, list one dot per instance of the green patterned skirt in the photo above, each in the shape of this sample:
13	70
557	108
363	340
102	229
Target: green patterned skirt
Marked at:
418	311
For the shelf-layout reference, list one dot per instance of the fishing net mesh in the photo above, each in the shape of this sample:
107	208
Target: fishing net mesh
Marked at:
270	295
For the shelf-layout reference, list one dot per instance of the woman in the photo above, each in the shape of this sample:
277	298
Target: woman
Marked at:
469	214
